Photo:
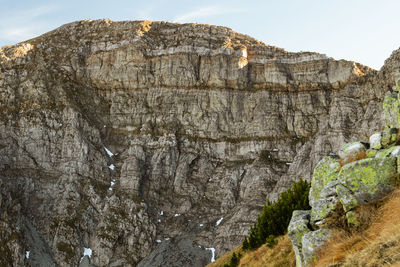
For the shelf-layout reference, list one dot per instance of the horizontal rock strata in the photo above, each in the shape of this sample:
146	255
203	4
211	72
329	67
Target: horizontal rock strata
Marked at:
114	135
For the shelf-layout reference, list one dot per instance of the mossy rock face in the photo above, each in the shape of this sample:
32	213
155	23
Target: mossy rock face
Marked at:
326	171
346	197
298	226
389	136
366	180
324	206
387	152
371	153
397	87
312	242
391	109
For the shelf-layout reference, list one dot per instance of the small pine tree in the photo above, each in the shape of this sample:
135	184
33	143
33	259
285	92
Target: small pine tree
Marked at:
245	244
271	241
275	217
234	260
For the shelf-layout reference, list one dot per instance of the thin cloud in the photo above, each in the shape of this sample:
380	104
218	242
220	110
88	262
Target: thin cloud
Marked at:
204	12
19	26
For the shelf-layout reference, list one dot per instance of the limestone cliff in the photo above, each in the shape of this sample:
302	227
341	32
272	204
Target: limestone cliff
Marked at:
115	136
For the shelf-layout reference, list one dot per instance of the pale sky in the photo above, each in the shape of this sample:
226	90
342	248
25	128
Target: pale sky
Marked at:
366	31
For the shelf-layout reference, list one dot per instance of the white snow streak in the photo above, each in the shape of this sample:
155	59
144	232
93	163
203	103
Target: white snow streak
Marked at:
109	153
212	253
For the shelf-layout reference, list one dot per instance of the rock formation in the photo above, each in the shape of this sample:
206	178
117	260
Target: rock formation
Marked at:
362	173
114	135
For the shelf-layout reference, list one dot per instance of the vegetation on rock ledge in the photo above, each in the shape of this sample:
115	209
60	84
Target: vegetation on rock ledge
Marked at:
275	216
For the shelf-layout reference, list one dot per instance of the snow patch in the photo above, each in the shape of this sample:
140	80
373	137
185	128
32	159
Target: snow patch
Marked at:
275	150
111	185
201	225
288	163
109	153
212	253
87	252
111	167
158	241
219	221
27	254
159	220
161	213
177	214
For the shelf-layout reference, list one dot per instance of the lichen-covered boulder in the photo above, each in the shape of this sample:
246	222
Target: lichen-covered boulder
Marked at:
325	205
346	197
326	171
352	152
391	109
366	180
312	242
375	141
389	137
298	226
371	153
388	152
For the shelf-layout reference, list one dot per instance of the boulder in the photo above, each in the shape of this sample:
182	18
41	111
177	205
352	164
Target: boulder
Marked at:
375	141
371	153
391	109
388	152
298	226
324	206
352	152
389	137
311	243
366	180
326	171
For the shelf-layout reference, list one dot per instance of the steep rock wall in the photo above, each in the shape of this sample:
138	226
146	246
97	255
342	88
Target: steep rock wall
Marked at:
203	123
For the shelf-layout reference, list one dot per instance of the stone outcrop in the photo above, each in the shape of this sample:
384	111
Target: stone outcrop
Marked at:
116	134
362	173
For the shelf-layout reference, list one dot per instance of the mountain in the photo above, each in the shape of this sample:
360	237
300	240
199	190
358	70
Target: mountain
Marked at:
121	140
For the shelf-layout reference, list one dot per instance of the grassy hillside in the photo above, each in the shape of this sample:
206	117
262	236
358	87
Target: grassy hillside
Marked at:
377	245
376	242
281	255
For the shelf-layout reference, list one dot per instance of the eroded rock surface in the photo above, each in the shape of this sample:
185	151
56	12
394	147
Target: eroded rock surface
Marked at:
200	123
341	184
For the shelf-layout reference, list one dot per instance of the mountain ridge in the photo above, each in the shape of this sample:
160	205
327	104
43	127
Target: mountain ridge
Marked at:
203	124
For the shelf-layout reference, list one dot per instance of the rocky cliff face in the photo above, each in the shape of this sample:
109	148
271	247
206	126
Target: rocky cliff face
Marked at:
115	136
361	173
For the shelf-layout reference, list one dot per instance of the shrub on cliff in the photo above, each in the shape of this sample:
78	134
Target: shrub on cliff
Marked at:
275	216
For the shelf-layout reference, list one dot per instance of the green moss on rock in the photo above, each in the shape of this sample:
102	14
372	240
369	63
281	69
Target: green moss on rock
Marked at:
386	152
326	171
391	109
369	179
346	197
352	219
371	153
389	136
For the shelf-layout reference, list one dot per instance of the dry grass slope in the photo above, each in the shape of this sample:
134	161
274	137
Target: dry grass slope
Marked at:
378	245
281	255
